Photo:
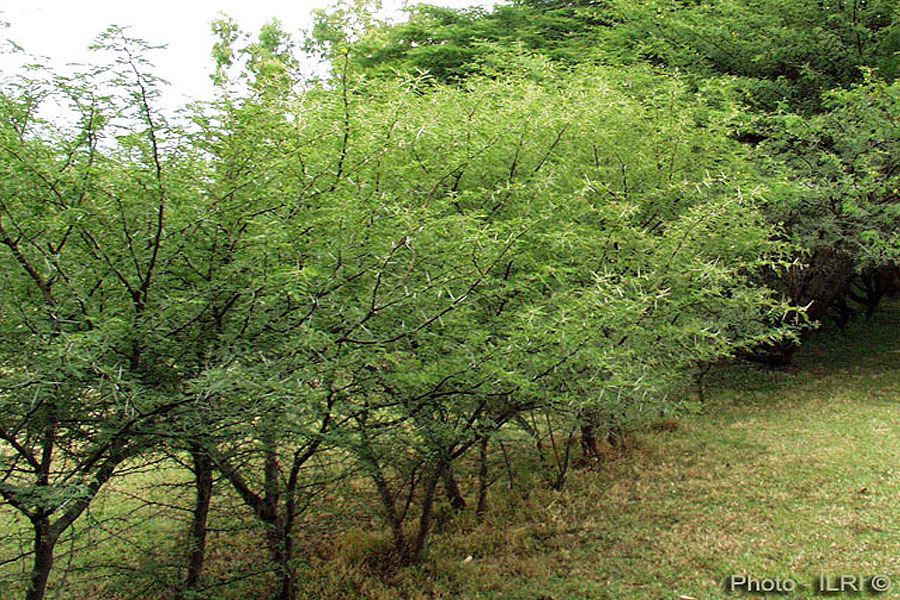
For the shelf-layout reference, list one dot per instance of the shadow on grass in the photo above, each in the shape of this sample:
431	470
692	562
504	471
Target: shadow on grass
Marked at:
866	347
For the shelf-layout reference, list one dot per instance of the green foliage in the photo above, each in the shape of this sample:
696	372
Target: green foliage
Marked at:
579	260
781	51
835	194
772	56
268	63
855	144
785	51
383	270
452	44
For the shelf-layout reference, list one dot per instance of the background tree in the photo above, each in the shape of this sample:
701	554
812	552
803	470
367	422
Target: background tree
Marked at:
838	196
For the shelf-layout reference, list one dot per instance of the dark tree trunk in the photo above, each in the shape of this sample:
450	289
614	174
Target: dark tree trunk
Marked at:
288	576
775	355
280	542
615	436
451	487
281	550
418	550
203	480
843	312
390	509
47	532
875	288
589	448
44	542
483	484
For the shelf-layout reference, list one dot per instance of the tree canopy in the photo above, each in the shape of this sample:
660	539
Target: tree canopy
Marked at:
555	209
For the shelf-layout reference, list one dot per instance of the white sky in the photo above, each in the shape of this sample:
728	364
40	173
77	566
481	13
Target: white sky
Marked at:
63	29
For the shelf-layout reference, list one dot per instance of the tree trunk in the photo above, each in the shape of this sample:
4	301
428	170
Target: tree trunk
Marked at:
418	550
589	447
395	520
288	576
280	542
281	550
44	542
481	504
874	292
615	436
451	487
203	480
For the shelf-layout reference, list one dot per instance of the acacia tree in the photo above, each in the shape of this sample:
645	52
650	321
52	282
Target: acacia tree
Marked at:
386	273
125	287
342	259
83	225
598	268
837	194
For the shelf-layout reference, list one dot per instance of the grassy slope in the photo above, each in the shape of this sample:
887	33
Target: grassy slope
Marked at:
791	473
